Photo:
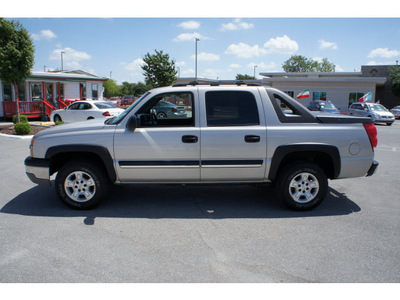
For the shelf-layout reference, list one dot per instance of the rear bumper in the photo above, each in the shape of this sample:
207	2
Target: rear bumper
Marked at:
38	170
373	168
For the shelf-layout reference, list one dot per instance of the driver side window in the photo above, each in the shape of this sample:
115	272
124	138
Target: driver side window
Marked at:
170	109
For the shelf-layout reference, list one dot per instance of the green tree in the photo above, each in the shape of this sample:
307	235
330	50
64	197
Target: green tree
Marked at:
111	89
16	55
298	63
158	69
394	79
244	77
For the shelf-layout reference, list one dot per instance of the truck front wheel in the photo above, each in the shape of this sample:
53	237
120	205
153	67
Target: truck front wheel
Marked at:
81	184
302	186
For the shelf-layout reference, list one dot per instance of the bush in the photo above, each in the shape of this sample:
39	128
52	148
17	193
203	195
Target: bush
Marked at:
59	122
22	128
23	119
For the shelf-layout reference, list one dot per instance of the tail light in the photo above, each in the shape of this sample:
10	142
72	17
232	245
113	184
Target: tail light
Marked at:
372	134
174	109
106	114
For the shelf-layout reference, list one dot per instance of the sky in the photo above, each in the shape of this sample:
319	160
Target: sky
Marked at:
113	46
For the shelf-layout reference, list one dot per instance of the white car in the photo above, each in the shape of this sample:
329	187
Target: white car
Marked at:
396	111
377	112
85	110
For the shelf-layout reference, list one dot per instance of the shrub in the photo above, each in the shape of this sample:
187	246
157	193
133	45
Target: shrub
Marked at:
23	119
59	122
22	128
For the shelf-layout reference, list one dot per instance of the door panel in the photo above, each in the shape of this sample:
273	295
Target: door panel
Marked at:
233	136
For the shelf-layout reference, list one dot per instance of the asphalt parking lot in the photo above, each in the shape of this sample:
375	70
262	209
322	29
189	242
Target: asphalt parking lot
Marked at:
202	233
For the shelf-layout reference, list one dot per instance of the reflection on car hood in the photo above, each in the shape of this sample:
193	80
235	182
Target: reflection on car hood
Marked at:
95	124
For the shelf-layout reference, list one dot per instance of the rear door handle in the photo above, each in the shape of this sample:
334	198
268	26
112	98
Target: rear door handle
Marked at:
190	139
252	138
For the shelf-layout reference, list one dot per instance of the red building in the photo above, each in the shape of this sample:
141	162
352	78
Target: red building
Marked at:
43	92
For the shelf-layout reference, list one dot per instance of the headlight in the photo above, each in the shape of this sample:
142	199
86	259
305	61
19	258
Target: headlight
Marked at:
31	145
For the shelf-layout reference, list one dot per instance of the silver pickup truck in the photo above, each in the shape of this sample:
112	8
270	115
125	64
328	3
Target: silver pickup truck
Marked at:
210	134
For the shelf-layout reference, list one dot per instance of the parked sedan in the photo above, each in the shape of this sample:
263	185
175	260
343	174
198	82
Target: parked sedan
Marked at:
396	111
165	109
377	112
85	110
325	106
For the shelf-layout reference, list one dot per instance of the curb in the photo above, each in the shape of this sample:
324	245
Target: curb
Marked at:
18	137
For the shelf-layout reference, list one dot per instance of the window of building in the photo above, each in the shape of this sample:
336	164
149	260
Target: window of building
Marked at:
7	94
82	90
36	91
21	92
354	97
60	91
49	92
95	93
161	110
231	108
319	95
290	93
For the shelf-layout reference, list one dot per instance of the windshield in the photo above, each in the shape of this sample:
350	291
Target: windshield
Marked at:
121	116
327	105
377	107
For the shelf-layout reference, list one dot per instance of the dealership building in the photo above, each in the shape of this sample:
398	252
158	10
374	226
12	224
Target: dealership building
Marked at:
341	88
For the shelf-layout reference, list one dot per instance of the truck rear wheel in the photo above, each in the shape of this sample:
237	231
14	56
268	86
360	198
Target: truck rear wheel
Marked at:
81	184
302	186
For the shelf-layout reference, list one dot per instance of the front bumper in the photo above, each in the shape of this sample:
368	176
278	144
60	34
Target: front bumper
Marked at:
38	170
373	168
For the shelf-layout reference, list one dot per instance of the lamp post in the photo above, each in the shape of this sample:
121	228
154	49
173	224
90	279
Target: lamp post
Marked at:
255	72
62	61
195	77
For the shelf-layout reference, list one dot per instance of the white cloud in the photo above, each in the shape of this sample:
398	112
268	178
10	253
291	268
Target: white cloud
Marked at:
237	24
190	25
71	58
338	68
281	45
189	37
327	45
180	63
235	66
45	34
134	65
384	52
203	56
376	63
263	67
243	50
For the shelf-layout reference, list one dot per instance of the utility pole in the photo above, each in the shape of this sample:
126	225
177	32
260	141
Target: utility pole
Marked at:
62	61
195	76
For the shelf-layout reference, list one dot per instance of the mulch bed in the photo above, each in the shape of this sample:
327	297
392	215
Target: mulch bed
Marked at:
9	129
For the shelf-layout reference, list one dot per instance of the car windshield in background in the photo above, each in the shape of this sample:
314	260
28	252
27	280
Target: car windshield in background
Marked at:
104	105
377	108
328	105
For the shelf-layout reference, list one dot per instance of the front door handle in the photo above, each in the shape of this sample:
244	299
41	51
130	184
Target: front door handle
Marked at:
252	138
190	139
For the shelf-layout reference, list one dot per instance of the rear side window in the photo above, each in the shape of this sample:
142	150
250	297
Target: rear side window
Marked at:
231	108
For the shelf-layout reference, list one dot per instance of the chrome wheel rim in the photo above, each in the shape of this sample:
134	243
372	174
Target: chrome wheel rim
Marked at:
80	186
304	187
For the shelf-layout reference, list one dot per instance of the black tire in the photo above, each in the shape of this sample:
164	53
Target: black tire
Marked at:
389	124
302	186
161	115
57	118
81	184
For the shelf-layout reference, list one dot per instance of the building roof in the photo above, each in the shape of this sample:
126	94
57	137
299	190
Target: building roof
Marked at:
65	75
321	77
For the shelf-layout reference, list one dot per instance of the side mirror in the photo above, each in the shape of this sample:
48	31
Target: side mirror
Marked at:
132	123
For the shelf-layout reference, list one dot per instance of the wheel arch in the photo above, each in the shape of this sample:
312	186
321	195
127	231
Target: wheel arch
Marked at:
327	157
59	155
